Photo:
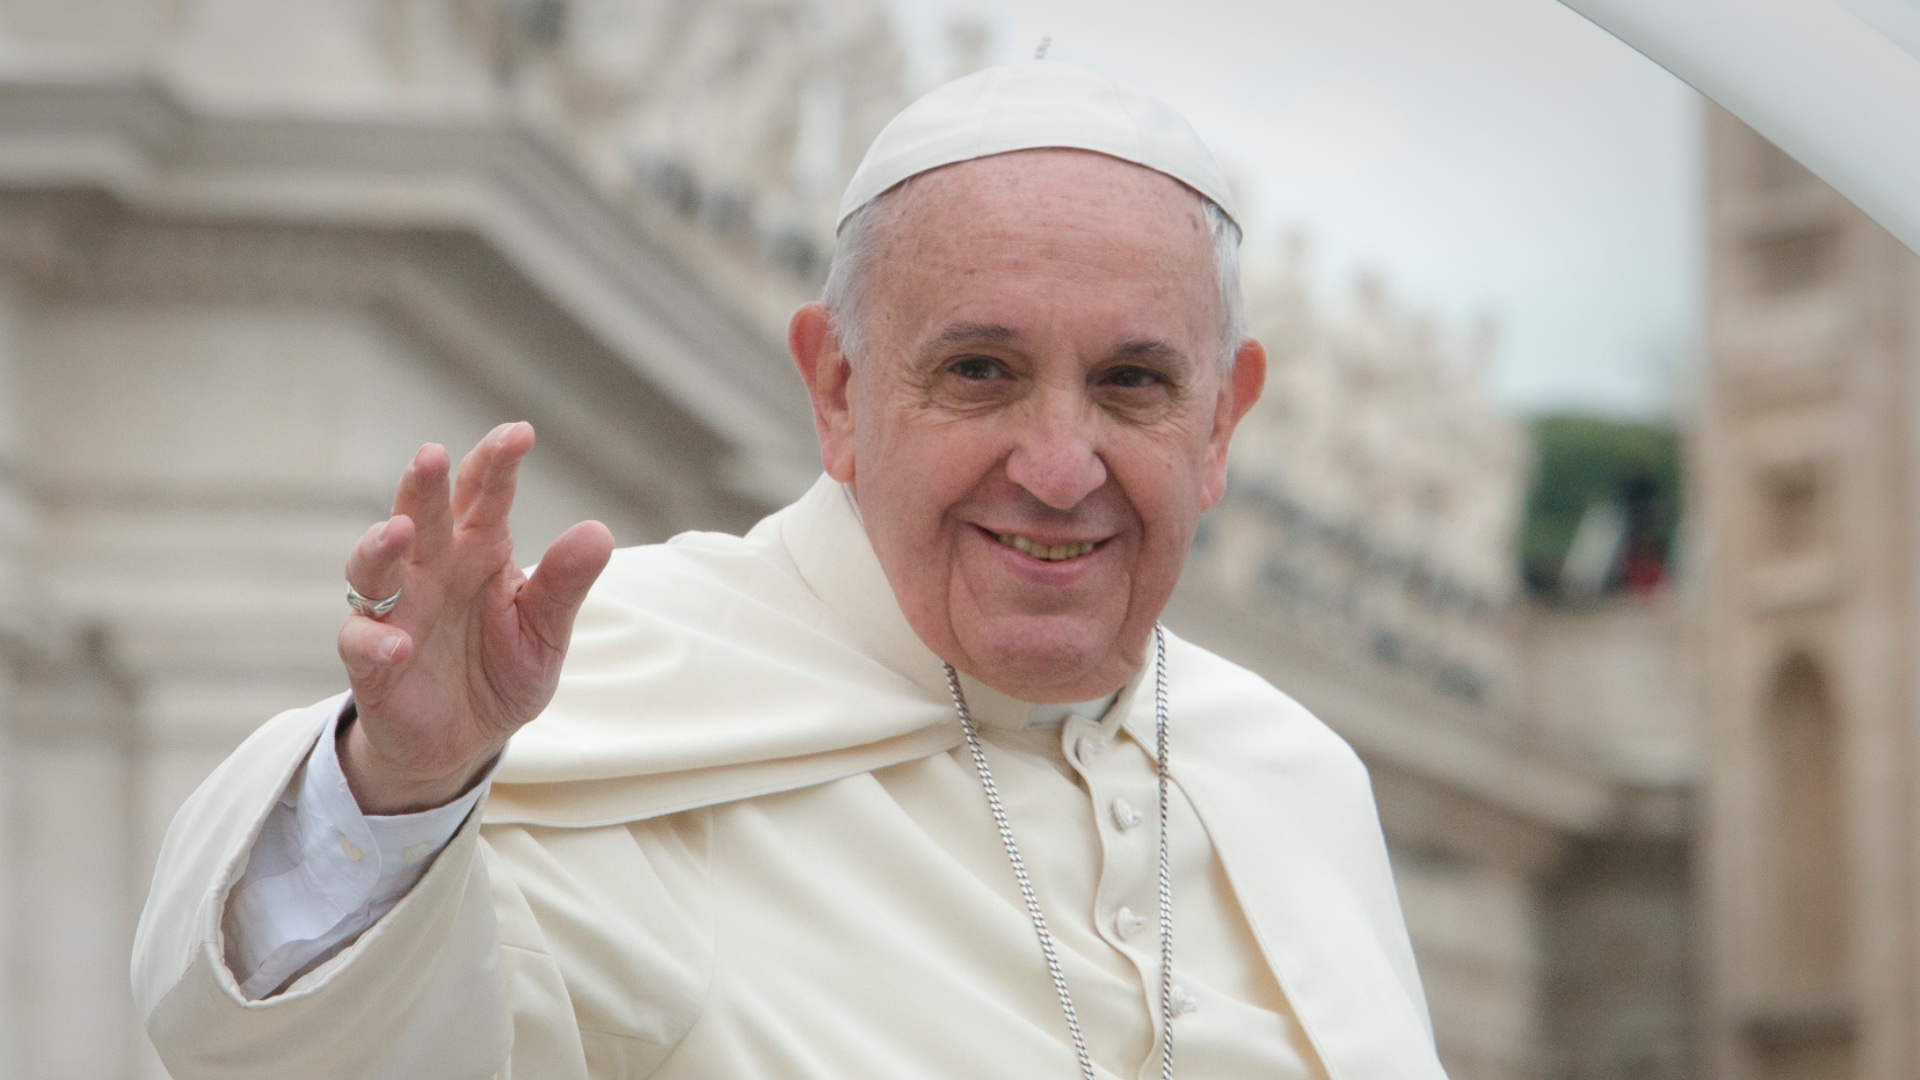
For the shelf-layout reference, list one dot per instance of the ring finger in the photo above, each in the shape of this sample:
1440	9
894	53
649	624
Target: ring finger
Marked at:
377	567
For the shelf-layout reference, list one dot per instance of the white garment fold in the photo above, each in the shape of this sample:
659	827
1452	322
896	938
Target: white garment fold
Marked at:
745	840
321	871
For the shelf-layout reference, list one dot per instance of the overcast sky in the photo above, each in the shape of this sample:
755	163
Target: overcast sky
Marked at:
1503	157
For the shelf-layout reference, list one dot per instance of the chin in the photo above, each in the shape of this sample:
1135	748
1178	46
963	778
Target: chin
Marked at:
1048	658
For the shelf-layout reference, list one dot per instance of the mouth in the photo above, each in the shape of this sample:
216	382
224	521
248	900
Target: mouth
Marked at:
1026	545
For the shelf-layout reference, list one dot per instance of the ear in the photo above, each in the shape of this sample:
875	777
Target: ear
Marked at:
1238	391
824	368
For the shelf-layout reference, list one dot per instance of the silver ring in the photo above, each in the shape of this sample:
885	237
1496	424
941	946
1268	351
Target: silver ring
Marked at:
372	609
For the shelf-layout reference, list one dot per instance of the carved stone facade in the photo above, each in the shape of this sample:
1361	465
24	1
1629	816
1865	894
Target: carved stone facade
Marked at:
1806	470
1376	488
253	252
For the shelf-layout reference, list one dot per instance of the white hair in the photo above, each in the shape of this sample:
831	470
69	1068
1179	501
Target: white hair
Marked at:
857	248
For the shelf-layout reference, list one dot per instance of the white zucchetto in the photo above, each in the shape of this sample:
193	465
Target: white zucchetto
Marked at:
1033	105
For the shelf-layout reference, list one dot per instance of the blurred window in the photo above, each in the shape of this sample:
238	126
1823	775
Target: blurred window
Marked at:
1793	500
1794	260
1807	819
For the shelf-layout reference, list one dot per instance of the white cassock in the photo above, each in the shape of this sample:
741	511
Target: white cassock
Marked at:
746	841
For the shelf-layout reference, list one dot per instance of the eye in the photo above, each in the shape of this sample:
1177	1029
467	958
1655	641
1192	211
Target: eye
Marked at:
1131	378
977	368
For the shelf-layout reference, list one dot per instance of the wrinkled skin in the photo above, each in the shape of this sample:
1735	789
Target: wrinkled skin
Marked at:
1041	361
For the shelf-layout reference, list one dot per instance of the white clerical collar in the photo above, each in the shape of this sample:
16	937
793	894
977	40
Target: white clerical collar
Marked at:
829	546
1055	715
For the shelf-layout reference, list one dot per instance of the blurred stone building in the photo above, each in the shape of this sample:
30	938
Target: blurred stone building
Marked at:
1533	764
1808	491
253	252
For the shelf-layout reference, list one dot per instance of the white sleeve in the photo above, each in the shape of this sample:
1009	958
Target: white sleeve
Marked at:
321	872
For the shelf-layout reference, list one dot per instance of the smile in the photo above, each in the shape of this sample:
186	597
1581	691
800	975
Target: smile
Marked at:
1046	552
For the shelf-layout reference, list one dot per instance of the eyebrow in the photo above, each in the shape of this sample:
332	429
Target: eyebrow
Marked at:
1139	350
1151	349
1148	349
974	334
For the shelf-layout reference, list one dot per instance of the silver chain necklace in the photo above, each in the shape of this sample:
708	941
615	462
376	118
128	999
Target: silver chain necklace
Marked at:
1047	947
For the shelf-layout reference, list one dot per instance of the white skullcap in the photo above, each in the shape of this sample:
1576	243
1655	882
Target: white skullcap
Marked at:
1029	106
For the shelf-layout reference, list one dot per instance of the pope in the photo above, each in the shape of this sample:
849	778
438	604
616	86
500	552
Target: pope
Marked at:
906	782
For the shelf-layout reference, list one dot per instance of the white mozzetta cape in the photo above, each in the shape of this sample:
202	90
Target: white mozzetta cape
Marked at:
702	860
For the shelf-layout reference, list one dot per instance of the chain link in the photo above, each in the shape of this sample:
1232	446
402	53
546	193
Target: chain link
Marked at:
1166	868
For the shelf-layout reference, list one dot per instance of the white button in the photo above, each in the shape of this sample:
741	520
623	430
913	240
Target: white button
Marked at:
1089	747
1124	815
1182	1001
1126	923
350	849
414	852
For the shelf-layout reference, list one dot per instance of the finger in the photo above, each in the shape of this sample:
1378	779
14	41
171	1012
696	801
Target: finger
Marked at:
373	653
483	493
422	496
377	566
552	596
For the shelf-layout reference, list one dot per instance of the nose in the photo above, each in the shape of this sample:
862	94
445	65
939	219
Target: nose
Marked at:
1055	458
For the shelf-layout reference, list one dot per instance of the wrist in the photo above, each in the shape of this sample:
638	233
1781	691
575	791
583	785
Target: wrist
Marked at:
383	788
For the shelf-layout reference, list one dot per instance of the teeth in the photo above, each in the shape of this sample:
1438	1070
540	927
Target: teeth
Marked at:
1048	552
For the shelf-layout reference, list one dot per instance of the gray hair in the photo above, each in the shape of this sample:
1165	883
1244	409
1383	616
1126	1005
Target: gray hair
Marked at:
857	248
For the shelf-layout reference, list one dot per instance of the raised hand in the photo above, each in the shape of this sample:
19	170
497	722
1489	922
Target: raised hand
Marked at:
472	651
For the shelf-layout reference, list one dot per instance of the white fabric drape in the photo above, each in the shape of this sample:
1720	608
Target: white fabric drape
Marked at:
744	842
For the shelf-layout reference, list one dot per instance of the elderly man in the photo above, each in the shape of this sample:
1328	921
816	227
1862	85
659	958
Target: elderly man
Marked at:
907	782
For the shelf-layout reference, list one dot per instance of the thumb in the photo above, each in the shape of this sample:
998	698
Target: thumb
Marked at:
552	596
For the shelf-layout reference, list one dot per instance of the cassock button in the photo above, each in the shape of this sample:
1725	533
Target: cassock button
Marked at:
350	849
1126	923
1182	1001
1089	748
415	852
1124	815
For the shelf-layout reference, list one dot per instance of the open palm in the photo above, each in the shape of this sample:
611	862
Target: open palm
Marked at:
473	649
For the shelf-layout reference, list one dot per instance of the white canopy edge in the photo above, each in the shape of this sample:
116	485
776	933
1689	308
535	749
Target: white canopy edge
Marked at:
1835	83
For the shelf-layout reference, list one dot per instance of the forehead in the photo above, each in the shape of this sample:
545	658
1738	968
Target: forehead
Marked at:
1042	228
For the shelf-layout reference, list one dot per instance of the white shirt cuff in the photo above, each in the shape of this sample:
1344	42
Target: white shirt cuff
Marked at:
322	872
362	857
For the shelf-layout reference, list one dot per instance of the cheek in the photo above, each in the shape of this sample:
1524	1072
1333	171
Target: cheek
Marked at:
1168	487
919	468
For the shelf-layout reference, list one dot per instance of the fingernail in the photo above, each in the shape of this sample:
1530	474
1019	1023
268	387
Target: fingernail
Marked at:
382	534
389	646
